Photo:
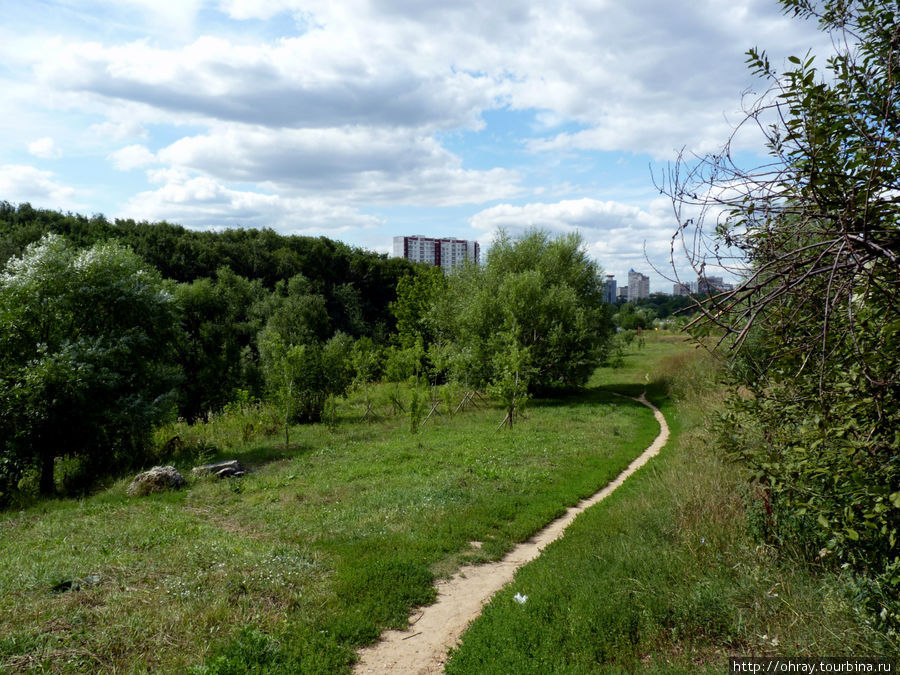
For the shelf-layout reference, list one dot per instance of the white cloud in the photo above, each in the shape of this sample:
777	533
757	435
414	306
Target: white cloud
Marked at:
315	80
131	157
386	166
620	236
377	103
45	148
167	15
23	183
641	76
581	214
256	9
201	202
118	131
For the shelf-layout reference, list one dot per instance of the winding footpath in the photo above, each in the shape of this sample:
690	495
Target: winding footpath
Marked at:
434	629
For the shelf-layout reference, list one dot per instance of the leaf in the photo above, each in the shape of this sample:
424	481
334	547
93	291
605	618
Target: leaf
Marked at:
823	521
852	534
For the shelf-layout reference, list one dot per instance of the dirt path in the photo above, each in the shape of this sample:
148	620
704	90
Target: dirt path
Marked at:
434	629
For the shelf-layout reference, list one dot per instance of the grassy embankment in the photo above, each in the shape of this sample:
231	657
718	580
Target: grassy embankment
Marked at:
664	576
321	547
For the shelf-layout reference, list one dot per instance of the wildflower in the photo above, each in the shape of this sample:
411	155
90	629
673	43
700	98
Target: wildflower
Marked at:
518	597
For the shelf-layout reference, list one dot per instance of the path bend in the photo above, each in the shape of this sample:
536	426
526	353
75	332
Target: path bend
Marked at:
433	630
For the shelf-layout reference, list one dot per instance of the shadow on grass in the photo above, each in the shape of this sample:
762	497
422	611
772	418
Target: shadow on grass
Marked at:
606	393
257	454
653	389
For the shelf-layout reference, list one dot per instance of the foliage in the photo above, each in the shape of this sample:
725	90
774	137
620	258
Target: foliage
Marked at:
541	294
512	375
402	364
416	295
365	361
663	306
85	346
630	317
357	285
816	321
219	328
302	376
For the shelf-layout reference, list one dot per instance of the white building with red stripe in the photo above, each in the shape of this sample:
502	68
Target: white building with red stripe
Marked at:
446	253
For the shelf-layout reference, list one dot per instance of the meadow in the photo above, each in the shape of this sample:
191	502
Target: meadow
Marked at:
669	574
322	546
330	541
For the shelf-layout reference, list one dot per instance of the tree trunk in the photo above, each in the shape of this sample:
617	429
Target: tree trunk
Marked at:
47	485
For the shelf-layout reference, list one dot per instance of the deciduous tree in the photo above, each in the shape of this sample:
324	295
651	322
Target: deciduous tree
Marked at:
85	351
815	323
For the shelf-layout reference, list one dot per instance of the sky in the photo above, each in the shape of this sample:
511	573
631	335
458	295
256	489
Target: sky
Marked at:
360	120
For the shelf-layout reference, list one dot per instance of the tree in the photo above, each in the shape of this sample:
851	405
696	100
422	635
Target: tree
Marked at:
543	293
302	373
287	371
218	327
416	295
511	376
85	351
631	318
815	323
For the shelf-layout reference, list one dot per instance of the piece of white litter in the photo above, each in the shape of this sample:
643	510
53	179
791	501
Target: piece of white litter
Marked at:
518	597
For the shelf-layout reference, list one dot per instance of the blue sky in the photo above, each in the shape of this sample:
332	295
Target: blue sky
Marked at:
366	119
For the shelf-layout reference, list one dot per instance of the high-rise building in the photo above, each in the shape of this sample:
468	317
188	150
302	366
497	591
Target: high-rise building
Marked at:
638	286
609	289
706	285
446	253
681	289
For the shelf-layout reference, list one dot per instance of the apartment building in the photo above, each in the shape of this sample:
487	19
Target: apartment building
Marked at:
446	253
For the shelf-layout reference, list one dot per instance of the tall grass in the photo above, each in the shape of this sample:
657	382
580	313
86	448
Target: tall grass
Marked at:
665	575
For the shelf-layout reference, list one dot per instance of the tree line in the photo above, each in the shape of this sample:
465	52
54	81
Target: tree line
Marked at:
107	329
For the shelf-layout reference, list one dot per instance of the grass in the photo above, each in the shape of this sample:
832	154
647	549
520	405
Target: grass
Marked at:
324	545
663	576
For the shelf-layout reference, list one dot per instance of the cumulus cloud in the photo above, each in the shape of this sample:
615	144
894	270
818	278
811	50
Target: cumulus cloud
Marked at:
257	9
618	235
378	103
360	164
316	80
45	148
117	131
131	157
202	202
641	76
23	183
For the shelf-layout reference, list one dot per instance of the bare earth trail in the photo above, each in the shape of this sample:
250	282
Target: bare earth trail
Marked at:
422	648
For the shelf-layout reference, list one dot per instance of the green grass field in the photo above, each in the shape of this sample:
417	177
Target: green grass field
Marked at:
334	539
313	554
663	576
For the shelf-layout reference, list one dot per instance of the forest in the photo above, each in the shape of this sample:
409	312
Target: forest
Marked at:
109	329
